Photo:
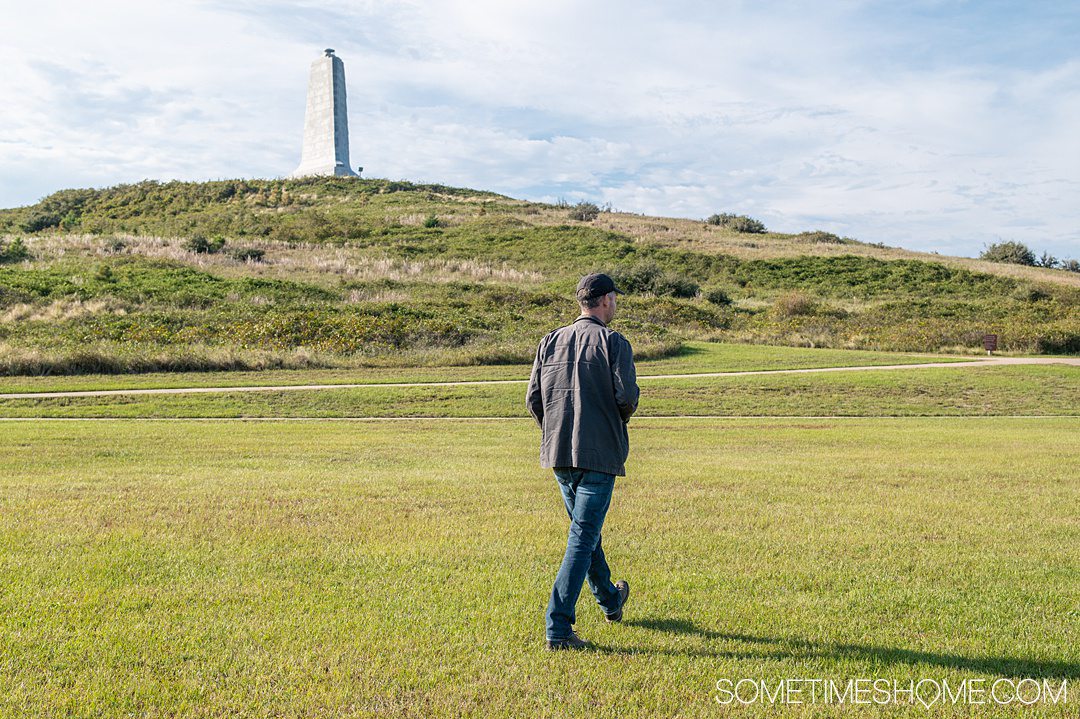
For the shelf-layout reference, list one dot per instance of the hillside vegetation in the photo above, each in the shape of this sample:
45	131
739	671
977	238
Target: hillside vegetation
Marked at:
252	274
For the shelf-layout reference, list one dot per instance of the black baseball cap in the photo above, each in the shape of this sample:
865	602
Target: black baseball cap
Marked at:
596	285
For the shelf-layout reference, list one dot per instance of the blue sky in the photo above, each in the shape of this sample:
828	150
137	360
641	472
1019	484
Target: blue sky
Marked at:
938	126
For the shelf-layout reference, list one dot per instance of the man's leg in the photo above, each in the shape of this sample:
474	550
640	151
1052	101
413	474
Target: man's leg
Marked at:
599	574
587	496
599	579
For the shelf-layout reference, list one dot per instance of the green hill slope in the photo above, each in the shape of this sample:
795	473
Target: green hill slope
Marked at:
335	272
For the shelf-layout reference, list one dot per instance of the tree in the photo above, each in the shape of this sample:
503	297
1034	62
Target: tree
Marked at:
200	245
585	211
15	251
738	223
1016	253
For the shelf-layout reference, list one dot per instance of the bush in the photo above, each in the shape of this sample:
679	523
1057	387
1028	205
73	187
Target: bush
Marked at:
679	286
1070	265
738	223
585	211
40	219
61	209
822	237
649	278
69	222
248	254
15	251
432	220
717	296
1047	260
1064	343
1016	253
200	245
1031	294
793	304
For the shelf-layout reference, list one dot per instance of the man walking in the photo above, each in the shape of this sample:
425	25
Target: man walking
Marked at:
582	392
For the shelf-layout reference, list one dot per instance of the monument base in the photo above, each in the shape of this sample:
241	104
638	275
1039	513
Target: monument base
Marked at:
324	170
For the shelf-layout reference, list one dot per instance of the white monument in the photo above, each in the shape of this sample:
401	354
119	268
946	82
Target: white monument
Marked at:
326	122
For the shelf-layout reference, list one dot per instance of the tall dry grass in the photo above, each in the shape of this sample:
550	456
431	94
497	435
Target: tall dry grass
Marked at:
285	260
106	358
63	309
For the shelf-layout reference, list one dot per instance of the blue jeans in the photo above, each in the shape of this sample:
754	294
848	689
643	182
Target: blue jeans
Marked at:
587	495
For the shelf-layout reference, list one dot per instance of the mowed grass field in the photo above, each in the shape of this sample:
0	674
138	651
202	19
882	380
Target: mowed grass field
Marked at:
693	357
402	567
960	391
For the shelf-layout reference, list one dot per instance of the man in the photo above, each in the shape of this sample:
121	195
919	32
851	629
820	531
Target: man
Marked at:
582	392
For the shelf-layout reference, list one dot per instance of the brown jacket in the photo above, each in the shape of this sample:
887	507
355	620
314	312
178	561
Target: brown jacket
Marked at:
582	392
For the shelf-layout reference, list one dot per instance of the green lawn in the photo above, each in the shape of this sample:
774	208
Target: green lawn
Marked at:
694	357
1000	390
401	568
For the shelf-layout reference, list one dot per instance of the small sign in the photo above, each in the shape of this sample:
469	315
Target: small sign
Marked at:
990	343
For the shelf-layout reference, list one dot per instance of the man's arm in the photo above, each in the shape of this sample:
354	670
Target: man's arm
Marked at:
533	397
624	377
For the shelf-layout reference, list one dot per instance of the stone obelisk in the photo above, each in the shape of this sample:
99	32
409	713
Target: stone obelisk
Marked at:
326	122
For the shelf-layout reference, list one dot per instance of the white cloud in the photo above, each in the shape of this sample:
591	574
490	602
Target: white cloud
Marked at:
838	119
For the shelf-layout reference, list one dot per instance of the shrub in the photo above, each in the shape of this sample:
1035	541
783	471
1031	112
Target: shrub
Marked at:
40	219
116	246
15	251
70	221
1031	294
585	211
432	220
1048	260
793	304
867	277
1063	343
649	278
200	245
679	286
717	296
1016	253
248	254
1070	265
822	237
738	223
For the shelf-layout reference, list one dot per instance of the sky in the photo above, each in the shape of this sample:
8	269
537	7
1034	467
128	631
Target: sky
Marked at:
935	125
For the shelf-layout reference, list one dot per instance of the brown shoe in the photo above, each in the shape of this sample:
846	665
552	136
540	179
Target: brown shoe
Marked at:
624	593
572	642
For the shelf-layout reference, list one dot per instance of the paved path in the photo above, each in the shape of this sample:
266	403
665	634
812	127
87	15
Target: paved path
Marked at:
464	383
635	422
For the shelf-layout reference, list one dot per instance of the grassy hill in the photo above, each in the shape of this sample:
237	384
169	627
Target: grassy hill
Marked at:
330	272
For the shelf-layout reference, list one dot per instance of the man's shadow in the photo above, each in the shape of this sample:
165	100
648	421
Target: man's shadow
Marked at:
792	647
